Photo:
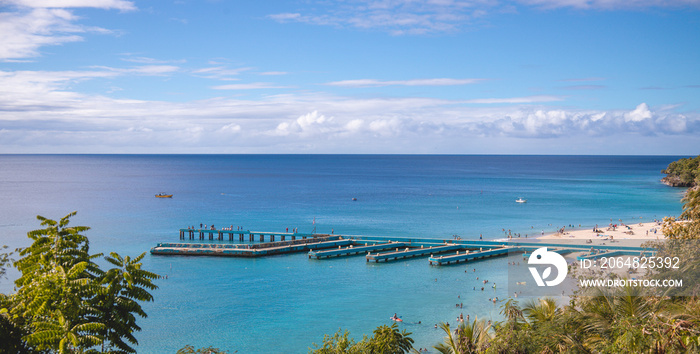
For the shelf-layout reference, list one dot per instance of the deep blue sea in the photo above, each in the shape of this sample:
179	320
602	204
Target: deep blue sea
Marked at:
283	304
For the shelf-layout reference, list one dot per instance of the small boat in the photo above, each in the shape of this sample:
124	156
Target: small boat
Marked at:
396	319
163	195
521	200
354	199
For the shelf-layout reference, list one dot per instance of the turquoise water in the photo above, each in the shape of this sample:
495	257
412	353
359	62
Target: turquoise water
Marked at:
285	303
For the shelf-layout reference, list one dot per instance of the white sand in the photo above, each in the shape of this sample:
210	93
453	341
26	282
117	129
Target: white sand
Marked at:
623	233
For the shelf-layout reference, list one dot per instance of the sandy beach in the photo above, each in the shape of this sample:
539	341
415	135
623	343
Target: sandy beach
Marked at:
619	232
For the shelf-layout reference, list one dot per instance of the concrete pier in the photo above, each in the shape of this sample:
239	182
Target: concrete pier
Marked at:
375	248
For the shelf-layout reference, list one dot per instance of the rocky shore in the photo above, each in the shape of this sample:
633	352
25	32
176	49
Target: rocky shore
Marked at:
675	181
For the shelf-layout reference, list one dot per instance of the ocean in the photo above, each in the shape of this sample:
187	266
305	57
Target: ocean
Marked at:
283	304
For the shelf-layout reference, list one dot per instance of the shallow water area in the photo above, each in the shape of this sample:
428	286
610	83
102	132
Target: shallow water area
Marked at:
285	303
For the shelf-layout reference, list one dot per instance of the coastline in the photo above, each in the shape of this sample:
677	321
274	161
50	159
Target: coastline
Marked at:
624	234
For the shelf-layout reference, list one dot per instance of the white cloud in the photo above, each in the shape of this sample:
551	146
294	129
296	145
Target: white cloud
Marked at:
285	16
273	73
21	34
220	72
386	127
610	4
415	82
148	70
420	17
151	61
37	23
232	128
641	113
309	123
40	113
397	17
513	100
310	119
354	125
250	86
101	4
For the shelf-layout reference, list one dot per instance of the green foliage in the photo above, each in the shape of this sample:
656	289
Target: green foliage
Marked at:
188	349
117	301
684	172
688	226
5	260
626	320
339	343
385	339
467	338
11	333
388	339
65	303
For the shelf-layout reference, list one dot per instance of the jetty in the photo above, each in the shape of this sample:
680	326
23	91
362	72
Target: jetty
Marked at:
250	250
352	250
377	249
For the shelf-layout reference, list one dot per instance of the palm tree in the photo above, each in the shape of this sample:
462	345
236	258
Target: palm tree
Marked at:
541	311
691	206
388	340
620	319
467	338
512	312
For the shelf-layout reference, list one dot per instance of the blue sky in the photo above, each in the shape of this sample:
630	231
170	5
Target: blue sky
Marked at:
350	76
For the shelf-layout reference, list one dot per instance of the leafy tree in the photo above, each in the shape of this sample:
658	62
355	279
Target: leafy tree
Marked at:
5	260
338	343
389	340
65	303
59	333
541	311
385	339
188	349
512	312
683	173
58	275
683	242
117	302
688	227
467	338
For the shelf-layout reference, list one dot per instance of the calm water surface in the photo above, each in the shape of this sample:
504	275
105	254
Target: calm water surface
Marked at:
285	303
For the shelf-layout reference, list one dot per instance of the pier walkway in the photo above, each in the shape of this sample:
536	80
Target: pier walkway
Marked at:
467	256
259	250
352	250
378	249
410	253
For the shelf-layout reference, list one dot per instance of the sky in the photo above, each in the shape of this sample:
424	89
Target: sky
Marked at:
350	76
